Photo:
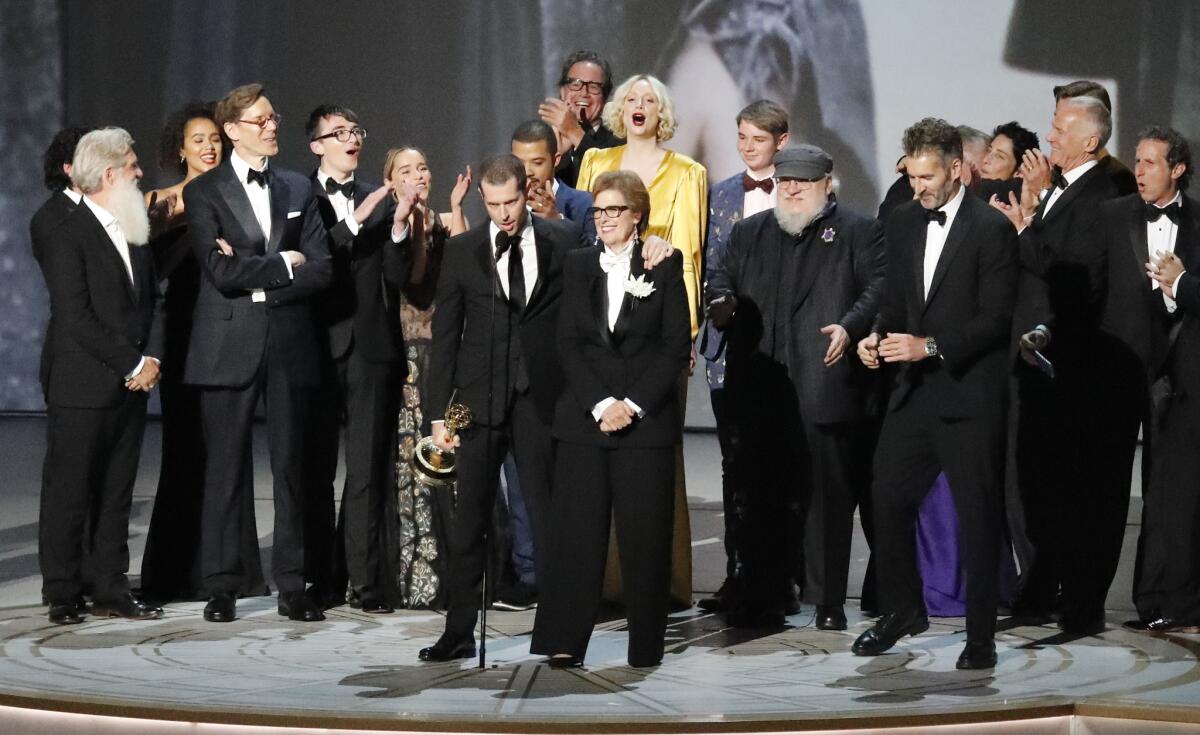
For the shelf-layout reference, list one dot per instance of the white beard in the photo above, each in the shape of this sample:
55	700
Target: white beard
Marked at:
127	205
793	223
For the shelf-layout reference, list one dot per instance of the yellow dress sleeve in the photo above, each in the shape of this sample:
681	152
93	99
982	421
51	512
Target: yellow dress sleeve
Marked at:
688	223
588	170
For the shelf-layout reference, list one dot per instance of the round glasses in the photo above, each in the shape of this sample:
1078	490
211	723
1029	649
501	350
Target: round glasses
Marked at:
343	134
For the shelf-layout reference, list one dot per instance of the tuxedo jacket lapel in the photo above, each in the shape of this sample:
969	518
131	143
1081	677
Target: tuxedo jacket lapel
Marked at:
486	258
545	250
235	196
279	203
1069	194
629	303
112	259
598	294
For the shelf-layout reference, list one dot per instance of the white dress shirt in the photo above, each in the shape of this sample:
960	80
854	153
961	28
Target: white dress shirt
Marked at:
75	196
1160	237
757	200
935	236
260	202
616	275
343	206
1071	176
528	256
112	228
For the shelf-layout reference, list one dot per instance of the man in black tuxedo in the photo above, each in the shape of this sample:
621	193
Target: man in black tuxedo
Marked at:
1073	440
99	365
944	323
796	286
264	251
583	87
1150	308
362	361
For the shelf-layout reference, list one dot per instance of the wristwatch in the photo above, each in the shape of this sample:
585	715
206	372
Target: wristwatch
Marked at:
931	348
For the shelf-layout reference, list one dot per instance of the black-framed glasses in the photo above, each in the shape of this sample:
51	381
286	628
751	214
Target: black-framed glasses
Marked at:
577	84
799	184
343	134
611	212
263	122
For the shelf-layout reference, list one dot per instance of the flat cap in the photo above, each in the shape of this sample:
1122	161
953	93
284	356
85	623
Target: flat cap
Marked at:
803	161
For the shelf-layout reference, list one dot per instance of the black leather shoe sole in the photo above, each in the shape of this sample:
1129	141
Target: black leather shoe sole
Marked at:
65	614
220	610
874	642
438	652
976	657
831	622
564	662
302	613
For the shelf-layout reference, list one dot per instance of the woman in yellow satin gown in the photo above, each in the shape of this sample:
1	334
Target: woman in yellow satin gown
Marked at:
640	111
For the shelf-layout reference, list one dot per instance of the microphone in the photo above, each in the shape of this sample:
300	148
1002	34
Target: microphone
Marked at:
503	242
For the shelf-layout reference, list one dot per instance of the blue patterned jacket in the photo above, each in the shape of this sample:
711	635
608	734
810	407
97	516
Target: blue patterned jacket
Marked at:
725	200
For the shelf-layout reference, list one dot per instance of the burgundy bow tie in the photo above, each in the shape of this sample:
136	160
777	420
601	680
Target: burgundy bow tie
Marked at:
749	184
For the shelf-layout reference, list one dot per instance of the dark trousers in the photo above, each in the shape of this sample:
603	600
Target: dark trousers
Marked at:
478	463
829	516
1076	440
633	487
228	415
914	446
732	511
91	463
362	396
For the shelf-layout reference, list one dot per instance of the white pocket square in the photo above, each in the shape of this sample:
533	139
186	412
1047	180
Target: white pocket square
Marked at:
294	215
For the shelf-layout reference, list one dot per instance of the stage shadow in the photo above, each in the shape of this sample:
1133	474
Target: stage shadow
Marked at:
710	631
523	680
888	679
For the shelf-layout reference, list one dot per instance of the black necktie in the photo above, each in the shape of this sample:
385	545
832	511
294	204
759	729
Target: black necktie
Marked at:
262	178
516	275
935	215
347	189
1057	180
1154	212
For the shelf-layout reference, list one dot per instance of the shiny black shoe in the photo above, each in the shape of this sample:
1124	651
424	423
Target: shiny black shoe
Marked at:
1166	625
831	617
374	604
67	613
889	629
449	648
564	662
126	606
221	608
299	606
977	655
1139	624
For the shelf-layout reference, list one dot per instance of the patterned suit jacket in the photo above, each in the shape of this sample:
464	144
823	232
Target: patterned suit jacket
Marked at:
725	200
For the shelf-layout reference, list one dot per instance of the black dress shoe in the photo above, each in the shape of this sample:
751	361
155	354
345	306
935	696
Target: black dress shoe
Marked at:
831	617
299	606
448	648
1138	624
564	662
977	655
889	629
517	598
374	604
67	613
1166	625
126	606
1082	625
221	608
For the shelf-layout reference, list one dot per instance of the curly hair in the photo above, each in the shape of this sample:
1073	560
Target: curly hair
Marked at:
171	138
1022	138
1178	150
666	115
59	153
933	134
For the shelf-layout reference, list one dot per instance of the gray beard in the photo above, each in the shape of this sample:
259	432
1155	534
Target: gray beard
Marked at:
129	208
793	223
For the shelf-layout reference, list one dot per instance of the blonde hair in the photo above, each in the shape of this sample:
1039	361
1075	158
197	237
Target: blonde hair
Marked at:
97	152
666	113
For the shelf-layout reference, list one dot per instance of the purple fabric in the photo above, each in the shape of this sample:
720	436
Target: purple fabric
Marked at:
942	574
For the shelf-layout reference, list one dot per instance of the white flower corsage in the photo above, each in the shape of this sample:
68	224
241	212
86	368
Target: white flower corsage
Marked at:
639	287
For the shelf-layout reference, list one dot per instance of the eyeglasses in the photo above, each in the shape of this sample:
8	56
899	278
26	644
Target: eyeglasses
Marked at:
577	84
798	183
610	212
343	134
262	123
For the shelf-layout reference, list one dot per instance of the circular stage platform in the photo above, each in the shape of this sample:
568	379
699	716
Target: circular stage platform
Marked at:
356	671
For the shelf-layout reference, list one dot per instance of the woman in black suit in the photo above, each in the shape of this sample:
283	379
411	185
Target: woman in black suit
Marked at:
623	339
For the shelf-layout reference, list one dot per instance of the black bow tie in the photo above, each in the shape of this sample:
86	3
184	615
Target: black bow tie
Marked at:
1154	212
332	187
935	215
1057	180
262	178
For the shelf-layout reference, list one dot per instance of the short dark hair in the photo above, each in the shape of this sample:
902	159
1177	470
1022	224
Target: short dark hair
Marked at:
59	153
606	87
1022	138
532	131
497	170
171	138
321	112
230	107
765	115
1178	149
935	134
1083	88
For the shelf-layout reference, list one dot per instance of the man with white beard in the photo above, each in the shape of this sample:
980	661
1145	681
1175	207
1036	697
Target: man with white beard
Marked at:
101	365
798	285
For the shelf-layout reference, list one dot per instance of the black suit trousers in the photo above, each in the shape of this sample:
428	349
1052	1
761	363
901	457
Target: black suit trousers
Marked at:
633	487
228	415
914	446
361	395
478	463
91	463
